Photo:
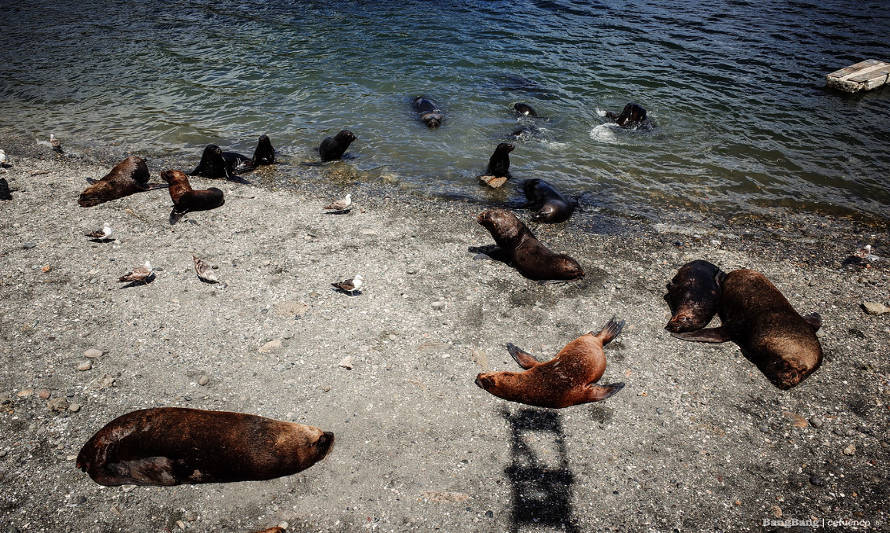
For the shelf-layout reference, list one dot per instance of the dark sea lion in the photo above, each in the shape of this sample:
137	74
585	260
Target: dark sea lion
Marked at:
632	116
4	190
186	199
429	112
264	154
218	164
567	379
693	296
531	258
171	446
333	148
127	177
524	110
549	204
757	317
499	162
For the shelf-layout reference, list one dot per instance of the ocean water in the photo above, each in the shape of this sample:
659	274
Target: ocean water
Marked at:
735	89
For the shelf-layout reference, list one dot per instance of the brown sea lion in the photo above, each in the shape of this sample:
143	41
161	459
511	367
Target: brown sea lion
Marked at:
757	317
333	148
428	112
186	199
531	258
127	177
693	296
172	445
567	379
549	204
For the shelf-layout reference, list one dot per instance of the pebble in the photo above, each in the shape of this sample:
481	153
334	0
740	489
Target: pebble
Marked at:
74	407
817	480
875	308
28	245
93	353
203	380
346	362
438	305
25	393
270	346
107	380
850	450
489	514
84	366
817	422
43	394
57	404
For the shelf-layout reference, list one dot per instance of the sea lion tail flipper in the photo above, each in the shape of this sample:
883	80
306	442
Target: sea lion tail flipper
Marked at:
815	320
598	393
523	358
91	181
611	330
152	186
714	335
176	215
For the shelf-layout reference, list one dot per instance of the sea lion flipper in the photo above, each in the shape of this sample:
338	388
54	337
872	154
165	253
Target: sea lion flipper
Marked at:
522	358
176	215
91	181
611	330
815	320
714	335
152	186
598	393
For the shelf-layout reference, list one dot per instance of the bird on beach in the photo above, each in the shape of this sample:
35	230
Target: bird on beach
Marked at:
55	143
4	161
140	274
103	234
204	270
349	285
340	205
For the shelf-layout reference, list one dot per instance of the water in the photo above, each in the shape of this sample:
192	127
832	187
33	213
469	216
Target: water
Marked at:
735	88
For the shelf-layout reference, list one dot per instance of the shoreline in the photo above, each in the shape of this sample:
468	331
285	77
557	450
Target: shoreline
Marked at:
697	438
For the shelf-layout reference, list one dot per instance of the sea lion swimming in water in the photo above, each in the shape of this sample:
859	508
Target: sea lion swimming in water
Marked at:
218	164
550	205
518	245
757	317
186	199
127	177
171	446
429	112
333	148
525	110
632	116
566	380
693	295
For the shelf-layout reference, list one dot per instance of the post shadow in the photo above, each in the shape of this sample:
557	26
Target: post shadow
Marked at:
542	495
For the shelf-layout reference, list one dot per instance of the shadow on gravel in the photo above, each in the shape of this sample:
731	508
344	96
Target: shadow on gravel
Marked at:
542	493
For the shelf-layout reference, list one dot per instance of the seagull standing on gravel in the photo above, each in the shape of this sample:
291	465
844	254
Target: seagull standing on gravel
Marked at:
4	161
204	270
341	204
349	285
139	274
55	143
101	235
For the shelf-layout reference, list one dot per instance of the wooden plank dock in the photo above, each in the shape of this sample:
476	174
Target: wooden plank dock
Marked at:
864	76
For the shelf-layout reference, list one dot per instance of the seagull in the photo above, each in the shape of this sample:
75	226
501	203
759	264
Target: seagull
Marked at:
866	254
55	143
139	274
103	234
204	270
4	161
349	285
340	204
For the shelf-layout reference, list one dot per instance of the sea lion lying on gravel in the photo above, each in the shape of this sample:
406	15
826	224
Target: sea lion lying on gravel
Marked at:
218	164
186	199
550	205
693	296
127	177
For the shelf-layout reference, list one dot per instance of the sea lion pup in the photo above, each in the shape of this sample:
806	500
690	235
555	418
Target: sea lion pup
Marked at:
429	112
333	148
531	258
499	162
693	296
567	379
632	116
524	110
264	154
757	317
218	164
172	445
186	199
127	177
549	204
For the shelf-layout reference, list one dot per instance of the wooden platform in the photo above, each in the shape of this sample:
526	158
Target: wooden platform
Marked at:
865	76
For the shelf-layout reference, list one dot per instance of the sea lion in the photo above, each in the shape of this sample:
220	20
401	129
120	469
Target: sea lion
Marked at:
567	379
632	116
757	317
127	177
186	199
499	162
429	112
524	110
549	204
264	154
531	258
218	164
333	148
4	190
172	445
693	296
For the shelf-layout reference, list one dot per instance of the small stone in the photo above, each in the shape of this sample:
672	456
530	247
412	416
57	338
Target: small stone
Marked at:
93	353
25	393
74	407
291	309
875	308
817	480
796	420
58	405
191	516
84	366
850	450
28	245
777	511
346	362
43	394
326	388
283	525
203	380
270	346
438	306
817	422
764	428
107	380
180	524
489	514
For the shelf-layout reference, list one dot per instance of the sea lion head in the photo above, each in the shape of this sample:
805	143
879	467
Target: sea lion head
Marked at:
524	109
693	296
212	164
500	223
171	175
487	380
504	148
632	113
432	120
264	153
345	136
547	212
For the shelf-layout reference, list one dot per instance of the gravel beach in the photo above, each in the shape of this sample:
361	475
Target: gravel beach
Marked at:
697	440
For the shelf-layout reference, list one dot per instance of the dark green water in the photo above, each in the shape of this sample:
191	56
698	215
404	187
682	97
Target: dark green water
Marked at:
735	88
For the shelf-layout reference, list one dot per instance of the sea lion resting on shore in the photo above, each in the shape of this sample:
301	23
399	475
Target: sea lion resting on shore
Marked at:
757	317
693	295
186	199
218	164
518	245
429	112
632	116
549	204
567	379
127	177
171	446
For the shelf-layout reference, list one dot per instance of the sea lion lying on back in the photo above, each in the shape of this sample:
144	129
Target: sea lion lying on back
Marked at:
171	446
567	379
693	296
519	246
551	207
632	116
186	199
429	112
757	317
218	164
127	177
